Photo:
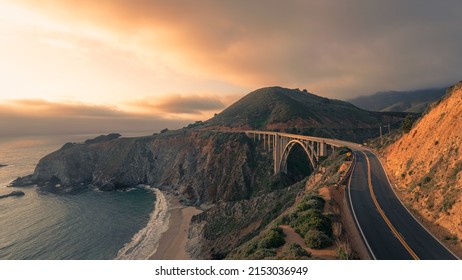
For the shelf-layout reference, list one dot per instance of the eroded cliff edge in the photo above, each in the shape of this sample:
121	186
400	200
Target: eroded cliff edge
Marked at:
218	172
201	167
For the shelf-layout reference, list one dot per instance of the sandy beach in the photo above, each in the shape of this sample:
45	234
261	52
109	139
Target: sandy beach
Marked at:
172	244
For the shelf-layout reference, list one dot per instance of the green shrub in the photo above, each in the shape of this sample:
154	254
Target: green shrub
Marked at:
263	253
407	123
274	238
317	239
311	219
311	202
294	251
344	251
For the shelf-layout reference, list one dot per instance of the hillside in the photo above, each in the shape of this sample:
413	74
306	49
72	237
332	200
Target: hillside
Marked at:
296	111
427	166
416	101
198	166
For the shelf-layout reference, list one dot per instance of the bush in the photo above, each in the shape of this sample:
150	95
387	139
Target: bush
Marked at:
273	239
293	251
311	219
311	202
317	239
263	253
407	123
344	251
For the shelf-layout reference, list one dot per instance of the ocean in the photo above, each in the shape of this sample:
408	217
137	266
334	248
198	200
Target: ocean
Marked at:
89	225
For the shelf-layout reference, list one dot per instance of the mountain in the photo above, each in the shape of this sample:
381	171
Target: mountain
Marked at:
427	165
224	173
415	101
296	111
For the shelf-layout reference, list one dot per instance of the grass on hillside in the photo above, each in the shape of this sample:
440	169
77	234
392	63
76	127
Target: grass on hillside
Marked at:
318	230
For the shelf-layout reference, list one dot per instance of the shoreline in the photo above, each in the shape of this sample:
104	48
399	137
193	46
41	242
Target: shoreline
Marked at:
172	243
147	239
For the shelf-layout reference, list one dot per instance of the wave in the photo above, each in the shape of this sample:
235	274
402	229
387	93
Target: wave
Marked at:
146	241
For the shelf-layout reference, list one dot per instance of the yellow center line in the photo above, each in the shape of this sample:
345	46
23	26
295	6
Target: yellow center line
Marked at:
387	221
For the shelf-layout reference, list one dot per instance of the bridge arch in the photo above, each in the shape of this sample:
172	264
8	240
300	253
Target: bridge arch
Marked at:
309	150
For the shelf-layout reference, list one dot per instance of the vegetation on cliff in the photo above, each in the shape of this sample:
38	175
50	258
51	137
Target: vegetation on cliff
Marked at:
427	166
300	112
229	176
308	217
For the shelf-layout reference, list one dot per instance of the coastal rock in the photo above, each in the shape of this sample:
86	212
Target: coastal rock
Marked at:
103	138
13	193
201	166
22	181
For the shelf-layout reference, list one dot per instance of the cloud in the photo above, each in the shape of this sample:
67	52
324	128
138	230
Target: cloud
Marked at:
33	116
179	104
44	108
333	48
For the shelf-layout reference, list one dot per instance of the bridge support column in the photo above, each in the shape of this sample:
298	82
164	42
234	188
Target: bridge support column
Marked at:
276	154
269	143
322	149
281	145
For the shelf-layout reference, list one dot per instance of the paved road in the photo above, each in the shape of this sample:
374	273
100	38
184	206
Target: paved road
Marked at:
389	230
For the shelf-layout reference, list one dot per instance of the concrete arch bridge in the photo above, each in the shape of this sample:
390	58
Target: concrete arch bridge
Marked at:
281	144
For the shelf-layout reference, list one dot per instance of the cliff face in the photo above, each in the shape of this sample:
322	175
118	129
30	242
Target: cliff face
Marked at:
199	166
427	164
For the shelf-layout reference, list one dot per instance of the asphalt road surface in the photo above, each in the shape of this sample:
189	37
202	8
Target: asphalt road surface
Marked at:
388	229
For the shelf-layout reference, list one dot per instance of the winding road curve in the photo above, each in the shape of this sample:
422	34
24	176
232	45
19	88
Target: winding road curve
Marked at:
387	227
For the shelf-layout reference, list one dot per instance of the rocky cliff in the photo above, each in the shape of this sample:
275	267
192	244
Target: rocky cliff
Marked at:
201	167
427	165
226	174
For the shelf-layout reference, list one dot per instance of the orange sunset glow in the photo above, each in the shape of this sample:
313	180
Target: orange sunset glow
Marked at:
167	63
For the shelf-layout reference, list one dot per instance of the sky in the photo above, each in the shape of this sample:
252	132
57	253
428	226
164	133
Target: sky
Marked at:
131	65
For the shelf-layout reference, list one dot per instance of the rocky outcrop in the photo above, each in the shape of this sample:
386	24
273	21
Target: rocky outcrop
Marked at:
103	138
201	167
13	193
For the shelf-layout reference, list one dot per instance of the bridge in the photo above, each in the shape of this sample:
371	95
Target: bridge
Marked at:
281	144
387	228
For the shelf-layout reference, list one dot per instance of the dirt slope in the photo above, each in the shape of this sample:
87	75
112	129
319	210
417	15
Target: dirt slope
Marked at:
426	164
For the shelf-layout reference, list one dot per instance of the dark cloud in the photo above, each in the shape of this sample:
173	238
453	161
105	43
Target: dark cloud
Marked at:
36	117
334	48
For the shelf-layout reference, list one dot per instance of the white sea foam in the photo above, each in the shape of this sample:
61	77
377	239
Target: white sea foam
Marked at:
146	241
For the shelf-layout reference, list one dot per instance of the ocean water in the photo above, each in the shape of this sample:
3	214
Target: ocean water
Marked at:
87	225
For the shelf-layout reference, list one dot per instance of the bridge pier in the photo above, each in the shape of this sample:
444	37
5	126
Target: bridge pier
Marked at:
280	144
322	149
